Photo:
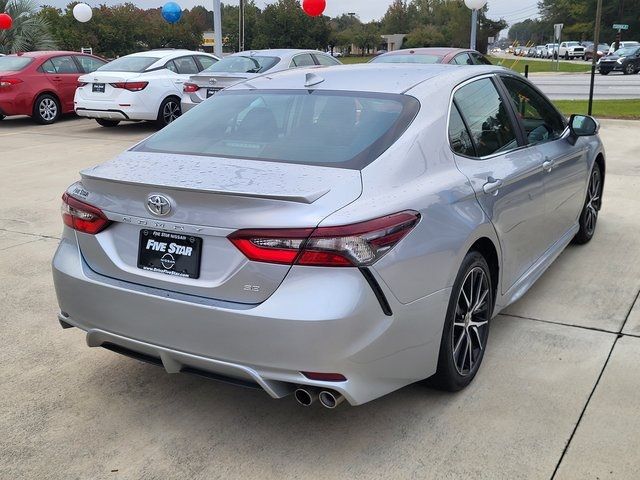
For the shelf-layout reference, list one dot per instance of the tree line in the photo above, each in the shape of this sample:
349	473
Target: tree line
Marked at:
578	17
122	29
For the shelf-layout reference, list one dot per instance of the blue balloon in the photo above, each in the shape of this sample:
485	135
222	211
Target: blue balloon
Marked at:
171	12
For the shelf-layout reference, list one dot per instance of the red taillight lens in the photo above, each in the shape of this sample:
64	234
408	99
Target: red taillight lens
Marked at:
82	217
9	82
356	245
190	88
325	377
131	86
82	84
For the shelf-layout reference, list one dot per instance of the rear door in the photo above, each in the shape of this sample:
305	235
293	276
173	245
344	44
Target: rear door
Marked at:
63	73
184	68
565	166
506	176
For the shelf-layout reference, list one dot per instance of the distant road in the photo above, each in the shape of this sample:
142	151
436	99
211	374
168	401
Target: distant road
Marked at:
614	86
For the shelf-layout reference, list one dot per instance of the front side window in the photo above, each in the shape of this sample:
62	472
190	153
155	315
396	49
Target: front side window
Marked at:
64	64
542	123
487	117
338	129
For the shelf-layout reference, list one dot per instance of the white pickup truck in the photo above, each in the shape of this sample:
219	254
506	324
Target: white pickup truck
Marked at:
569	50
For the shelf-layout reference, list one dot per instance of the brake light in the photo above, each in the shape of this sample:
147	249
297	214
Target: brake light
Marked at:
9	82
131	86
190	88
82	217
82	84
355	245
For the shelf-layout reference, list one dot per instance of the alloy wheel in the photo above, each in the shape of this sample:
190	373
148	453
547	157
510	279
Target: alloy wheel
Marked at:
170	112
471	320
48	109
629	69
593	202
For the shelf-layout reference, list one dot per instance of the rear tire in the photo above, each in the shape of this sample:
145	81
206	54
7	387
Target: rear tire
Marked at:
107	123
2	117
603	73
169	111
46	109
466	326
592	204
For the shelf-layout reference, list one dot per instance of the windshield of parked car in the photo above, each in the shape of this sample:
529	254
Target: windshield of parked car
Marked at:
243	64
129	64
626	51
573	44
408	58
337	129
14	64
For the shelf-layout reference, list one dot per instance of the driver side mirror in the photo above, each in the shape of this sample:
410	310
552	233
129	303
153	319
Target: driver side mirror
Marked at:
582	126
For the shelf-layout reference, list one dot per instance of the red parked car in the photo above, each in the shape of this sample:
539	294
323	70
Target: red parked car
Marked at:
42	84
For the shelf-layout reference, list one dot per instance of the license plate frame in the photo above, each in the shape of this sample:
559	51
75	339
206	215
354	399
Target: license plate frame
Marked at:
169	253
98	87
212	91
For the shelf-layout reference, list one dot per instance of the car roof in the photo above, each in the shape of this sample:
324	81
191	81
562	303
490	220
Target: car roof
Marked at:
163	53
428	51
370	77
45	53
276	52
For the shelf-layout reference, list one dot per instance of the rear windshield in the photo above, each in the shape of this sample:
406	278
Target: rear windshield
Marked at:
328	128
411	58
129	64
14	64
244	64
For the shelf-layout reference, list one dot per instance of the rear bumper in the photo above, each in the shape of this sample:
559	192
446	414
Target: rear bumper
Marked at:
189	101
127	109
319	320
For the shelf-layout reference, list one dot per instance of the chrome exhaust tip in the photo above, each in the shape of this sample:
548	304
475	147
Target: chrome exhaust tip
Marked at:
330	399
305	396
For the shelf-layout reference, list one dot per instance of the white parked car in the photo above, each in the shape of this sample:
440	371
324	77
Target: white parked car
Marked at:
551	50
141	86
569	50
243	66
628	43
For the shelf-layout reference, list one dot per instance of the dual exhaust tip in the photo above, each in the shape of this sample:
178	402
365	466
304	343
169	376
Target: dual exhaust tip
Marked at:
306	396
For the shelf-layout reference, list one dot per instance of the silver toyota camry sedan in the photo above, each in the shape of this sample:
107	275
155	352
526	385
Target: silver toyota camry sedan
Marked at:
333	233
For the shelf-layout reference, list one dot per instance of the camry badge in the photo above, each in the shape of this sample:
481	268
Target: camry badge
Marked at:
159	205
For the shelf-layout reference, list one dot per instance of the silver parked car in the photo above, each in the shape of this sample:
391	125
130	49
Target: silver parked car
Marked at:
245	65
338	233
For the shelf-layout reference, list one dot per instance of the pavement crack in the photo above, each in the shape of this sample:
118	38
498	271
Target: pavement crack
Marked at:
582	327
30	234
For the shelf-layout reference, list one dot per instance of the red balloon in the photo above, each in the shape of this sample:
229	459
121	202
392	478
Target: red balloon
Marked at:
5	21
314	8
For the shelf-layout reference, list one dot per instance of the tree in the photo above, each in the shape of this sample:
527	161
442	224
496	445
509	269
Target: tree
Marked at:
29	31
424	36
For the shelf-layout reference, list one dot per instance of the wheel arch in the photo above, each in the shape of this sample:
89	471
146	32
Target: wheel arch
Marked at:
486	247
45	92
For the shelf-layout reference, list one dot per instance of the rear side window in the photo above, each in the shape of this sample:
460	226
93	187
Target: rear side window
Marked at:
64	64
89	64
411	58
206	62
487	117
326	60
14	64
338	129
186	65
459	137
462	59
304	60
480	59
129	64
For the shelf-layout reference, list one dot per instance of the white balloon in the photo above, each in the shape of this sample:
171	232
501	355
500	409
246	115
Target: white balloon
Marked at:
82	12
475	4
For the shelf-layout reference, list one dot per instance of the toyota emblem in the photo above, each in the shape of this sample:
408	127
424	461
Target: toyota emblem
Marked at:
159	205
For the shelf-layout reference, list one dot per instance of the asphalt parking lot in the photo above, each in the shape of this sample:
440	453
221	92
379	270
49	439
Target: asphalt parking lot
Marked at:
557	396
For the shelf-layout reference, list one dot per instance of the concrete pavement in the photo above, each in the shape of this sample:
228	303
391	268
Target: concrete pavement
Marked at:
556	397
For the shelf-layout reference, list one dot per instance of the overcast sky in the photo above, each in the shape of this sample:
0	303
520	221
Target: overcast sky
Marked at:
366	9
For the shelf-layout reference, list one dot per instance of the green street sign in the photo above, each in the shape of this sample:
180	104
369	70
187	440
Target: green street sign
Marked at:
620	26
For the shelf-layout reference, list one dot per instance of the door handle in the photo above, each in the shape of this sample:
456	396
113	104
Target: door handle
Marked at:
492	186
548	165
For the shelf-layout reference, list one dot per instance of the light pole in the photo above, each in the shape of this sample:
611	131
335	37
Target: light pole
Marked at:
217	28
474	5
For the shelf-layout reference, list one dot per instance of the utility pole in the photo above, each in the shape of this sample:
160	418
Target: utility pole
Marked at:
241	27
594	60
217	28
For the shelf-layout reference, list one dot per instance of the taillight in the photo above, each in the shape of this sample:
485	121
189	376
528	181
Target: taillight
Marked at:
9	82
82	217
131	86
356	245
82	84
190	88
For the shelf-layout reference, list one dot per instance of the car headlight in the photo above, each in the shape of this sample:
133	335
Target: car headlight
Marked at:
599	52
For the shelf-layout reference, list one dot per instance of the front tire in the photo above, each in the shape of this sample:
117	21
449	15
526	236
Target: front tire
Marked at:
592	204
107	123
46	109
629	69
169	111
466	326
